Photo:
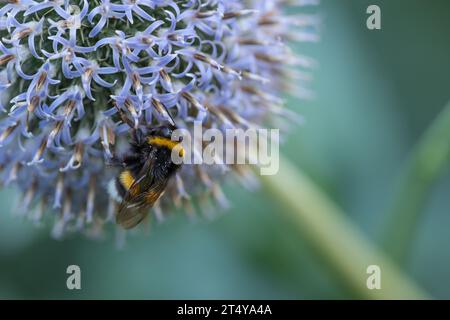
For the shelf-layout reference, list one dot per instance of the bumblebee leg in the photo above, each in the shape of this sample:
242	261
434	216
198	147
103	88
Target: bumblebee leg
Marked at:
131	160
114	162
138	136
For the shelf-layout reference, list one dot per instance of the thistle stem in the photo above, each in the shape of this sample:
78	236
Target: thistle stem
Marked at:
335	239
428	161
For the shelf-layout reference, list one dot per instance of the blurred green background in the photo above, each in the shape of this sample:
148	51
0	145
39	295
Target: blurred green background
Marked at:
377	92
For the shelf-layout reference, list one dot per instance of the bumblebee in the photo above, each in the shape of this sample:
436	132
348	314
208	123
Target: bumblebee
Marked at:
146	169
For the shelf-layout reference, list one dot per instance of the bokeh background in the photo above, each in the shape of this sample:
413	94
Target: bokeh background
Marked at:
377	92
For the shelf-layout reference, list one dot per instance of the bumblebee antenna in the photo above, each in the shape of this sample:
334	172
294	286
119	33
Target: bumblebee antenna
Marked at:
161	108
123	116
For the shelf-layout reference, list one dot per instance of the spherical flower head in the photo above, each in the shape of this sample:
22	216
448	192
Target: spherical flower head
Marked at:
77	77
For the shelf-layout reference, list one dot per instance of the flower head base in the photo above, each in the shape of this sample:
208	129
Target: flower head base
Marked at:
77	76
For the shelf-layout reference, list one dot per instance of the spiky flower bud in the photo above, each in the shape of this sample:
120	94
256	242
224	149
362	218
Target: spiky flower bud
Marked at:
77	76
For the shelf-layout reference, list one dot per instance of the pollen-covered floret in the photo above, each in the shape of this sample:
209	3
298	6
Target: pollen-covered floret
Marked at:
71	70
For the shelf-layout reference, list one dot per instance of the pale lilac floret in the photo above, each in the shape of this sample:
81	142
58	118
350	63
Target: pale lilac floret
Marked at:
135	8
106	12
12	8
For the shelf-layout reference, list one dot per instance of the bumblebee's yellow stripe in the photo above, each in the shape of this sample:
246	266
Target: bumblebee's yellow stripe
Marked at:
126	179
167	143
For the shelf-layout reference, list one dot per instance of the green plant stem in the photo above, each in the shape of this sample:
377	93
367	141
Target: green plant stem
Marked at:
428	161
340	244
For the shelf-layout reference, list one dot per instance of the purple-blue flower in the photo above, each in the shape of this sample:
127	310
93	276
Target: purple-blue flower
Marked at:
78	76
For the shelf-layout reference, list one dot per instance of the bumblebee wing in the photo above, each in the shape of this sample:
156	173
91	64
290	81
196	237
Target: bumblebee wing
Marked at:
129	216
142	181
131	211
152	194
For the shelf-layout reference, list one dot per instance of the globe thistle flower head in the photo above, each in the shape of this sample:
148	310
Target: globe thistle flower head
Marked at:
77	76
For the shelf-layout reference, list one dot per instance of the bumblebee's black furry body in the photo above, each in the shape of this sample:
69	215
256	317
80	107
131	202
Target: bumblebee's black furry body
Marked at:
147	168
